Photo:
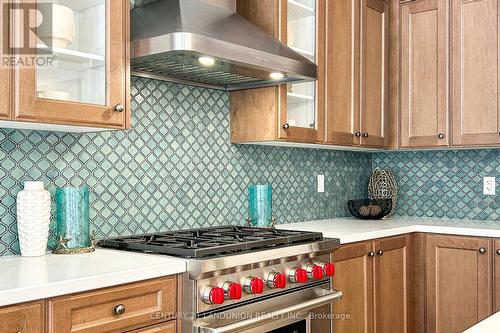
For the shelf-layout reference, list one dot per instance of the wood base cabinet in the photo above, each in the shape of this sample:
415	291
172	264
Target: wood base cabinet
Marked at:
496	275
374	279
25	318
459	280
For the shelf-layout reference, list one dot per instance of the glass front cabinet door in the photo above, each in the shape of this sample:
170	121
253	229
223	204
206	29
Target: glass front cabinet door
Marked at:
302	105
80	74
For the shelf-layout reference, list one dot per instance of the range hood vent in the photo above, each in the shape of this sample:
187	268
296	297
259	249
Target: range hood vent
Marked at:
193	42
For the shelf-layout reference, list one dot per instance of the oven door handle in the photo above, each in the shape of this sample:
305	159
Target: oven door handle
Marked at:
333	295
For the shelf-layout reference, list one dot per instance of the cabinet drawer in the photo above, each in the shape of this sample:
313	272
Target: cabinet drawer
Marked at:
25	318
99	311
169	327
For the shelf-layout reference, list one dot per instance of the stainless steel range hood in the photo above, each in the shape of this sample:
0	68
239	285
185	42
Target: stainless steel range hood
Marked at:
193	42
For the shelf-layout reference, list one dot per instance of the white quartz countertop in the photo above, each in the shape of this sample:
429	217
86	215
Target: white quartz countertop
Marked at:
24	279
350	230
489	325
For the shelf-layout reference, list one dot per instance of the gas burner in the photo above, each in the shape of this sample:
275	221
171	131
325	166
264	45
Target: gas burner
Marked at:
210	242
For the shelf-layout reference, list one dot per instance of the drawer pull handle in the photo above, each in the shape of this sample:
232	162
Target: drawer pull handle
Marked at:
482	250
371	254
498	252
380	252
119	309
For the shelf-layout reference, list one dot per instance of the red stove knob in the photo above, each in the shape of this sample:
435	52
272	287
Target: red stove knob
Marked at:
232	290
276	280
314	271
328	269
297	275
213	295
253	285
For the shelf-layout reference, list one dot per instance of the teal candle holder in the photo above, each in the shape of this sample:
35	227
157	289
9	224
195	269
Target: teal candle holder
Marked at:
260	206
73	223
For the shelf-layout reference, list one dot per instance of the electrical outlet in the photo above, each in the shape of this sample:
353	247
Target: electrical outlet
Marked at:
489	184
321	183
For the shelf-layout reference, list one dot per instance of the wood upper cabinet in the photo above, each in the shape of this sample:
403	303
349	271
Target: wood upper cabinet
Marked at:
292	112
25	318
354	277
5	73
392	284
496	275
459	280
357	72
375	72
343	72
424	74
475	43
84	78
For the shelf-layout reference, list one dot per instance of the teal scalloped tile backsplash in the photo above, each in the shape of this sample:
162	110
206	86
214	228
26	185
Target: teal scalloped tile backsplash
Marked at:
175	169
447	184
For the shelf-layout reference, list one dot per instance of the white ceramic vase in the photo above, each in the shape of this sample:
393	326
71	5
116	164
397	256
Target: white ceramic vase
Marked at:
33	218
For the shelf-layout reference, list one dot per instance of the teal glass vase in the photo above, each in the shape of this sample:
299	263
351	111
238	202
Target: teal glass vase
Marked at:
260	205
72	218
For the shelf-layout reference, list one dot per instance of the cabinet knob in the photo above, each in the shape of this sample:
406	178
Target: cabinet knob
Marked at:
371	254
482	250
498	251
358	134
380	252
441	136
119	309
286	126
365	135
119	108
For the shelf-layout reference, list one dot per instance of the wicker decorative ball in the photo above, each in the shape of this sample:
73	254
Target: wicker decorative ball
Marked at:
383	185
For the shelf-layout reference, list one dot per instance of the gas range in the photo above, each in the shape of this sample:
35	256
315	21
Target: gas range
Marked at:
244	270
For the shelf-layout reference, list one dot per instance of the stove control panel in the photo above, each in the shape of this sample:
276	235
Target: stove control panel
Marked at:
263	279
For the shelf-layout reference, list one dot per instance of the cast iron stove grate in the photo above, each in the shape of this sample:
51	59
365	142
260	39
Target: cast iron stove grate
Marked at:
206	242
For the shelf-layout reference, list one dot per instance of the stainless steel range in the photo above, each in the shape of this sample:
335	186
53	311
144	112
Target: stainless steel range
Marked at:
243	279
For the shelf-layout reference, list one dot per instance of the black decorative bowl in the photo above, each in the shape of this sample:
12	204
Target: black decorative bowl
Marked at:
367	209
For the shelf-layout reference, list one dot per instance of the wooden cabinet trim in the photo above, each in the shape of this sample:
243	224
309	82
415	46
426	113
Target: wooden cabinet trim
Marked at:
496	275
29	108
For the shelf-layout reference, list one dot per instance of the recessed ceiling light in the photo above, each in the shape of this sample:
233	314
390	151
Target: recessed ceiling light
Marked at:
276	76
206	61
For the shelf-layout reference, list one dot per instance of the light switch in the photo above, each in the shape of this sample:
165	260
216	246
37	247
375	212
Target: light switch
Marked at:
321	183
489	184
